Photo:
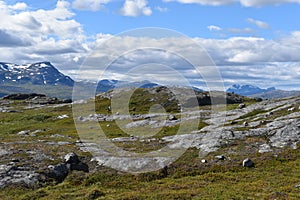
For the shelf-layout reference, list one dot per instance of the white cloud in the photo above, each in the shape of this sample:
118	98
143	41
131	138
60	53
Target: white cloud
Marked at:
259	3
253	60
246	3
18	6
134	8
40	34
240	30
93	5
162	9
214	28
259	23
204	2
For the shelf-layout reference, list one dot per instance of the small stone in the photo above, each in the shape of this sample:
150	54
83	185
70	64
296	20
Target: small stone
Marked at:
172	117
71	158
63	117
204	161
245	124
25	133
220	157
248	163
264	148
242	105
58	172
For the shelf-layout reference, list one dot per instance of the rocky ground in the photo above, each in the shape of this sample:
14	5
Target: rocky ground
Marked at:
39	142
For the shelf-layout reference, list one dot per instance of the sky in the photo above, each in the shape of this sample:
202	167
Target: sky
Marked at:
245	41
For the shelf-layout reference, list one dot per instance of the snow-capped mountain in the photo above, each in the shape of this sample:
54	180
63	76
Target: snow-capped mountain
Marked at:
248	90
42	73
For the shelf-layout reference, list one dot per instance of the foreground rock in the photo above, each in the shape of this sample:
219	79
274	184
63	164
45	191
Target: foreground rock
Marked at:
71	162
248	163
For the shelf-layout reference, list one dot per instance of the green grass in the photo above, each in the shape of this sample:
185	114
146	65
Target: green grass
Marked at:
274	177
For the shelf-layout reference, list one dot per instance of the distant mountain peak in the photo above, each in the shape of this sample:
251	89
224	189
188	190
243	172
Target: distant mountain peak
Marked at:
248	90
40	73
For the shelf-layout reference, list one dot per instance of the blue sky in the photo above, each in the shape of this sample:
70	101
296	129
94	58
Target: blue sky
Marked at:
250	41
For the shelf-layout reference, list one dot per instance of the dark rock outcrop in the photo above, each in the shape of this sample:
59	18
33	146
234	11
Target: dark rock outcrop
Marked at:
20	96
71	162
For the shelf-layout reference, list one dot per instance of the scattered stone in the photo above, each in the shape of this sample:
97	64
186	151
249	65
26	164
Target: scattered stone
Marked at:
14	160
71	158
245	124
58	172
291	109
74	163
38	131
172	117
220	157
4	152
248	163
264	148
204	161
297	186
63	117
24	133
12	175
242	105
67	101
57	136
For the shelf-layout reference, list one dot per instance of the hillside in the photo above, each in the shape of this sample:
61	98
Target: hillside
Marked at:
37	141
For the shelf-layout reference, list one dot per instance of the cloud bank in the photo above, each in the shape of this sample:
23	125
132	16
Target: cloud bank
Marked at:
28	36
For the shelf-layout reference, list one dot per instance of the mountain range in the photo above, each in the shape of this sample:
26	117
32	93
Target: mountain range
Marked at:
43	77
254	91
248	90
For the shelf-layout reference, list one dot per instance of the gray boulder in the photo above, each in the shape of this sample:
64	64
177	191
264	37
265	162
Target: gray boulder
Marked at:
242	105
172	117
71	158
58	172
73	163
248	163
220	157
